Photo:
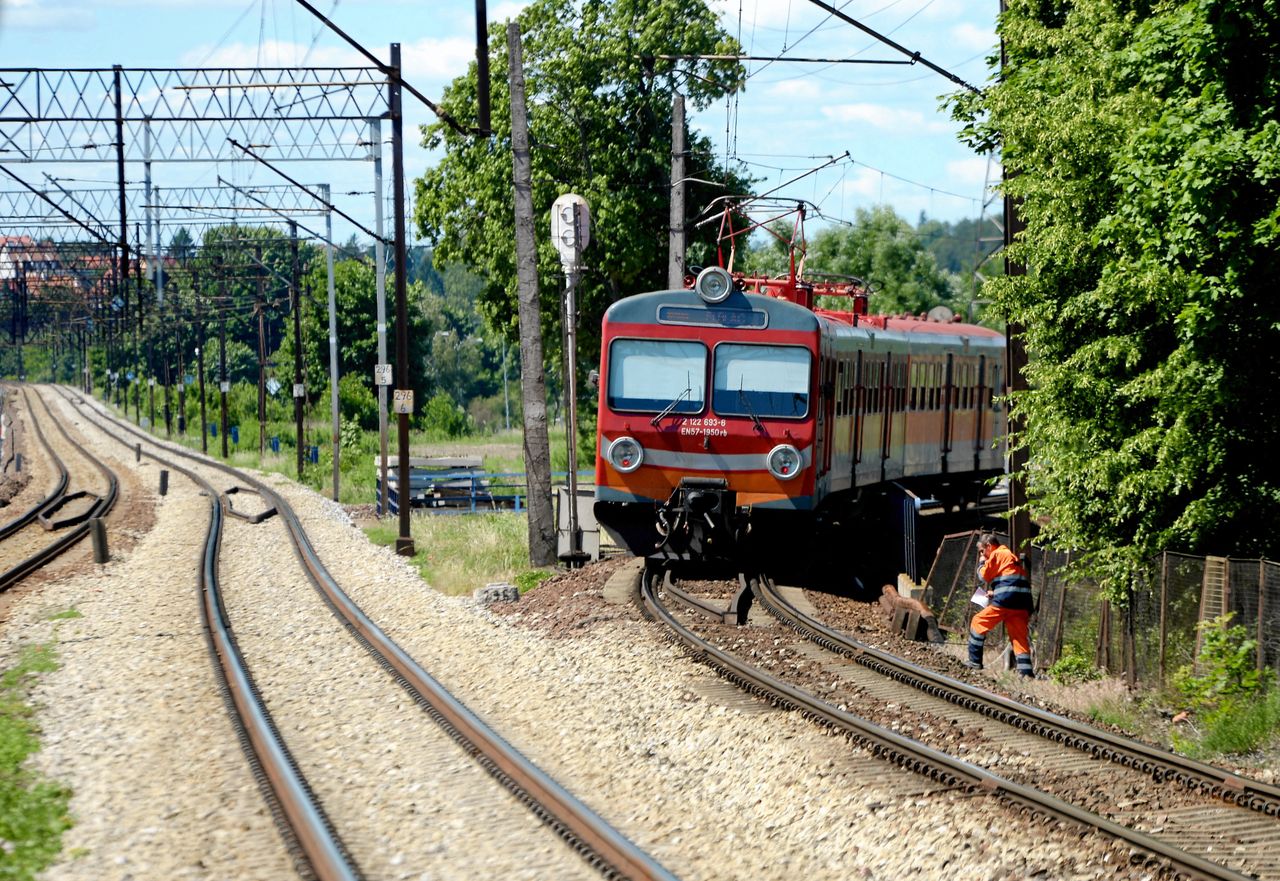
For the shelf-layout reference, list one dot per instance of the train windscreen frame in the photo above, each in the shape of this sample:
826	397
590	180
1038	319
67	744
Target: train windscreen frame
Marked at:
650	376
761	381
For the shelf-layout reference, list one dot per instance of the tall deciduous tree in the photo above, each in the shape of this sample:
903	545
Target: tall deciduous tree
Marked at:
882	249
1143	142
600	117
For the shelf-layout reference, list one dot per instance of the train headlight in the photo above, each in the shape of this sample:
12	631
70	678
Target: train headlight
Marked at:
625	454
714	285
784	461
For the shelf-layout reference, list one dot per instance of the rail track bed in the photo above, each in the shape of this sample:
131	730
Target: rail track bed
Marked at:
712	783
331	737
52	515
1226	826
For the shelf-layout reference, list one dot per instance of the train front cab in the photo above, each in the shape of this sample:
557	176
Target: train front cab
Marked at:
705	420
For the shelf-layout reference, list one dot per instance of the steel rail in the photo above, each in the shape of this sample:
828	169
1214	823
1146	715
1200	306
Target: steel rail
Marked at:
59	490
913	755
1160	764
309	835
100	508
605	847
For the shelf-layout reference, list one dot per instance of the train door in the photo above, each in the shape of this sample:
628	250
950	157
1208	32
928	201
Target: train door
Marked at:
980	407
948	408
859	404
821	441
828	411
886	409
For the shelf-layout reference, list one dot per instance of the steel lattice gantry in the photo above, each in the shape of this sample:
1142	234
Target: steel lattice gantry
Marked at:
188	114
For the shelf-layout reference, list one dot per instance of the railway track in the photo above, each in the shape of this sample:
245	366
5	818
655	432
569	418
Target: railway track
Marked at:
62	514
313	840
1158	804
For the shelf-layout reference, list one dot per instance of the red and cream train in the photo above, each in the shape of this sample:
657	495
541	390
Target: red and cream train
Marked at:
735	418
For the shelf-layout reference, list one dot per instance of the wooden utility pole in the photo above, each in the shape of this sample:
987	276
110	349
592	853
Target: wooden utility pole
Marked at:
537	446
675	248
1016	380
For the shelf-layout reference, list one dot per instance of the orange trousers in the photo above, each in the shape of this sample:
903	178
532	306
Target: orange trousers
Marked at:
1014	621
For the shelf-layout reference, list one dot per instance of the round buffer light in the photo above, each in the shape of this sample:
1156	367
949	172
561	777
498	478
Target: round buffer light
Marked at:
784	461
625	454
714	285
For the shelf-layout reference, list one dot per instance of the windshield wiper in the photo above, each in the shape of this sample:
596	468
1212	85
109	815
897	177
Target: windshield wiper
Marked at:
744	401
666	411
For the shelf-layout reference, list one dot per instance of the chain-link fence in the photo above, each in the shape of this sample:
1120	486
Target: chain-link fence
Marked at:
1148	639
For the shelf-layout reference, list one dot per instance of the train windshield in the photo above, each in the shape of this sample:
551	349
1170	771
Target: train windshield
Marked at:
655	376
757	381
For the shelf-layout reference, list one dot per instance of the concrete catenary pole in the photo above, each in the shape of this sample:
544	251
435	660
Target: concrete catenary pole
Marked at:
676	245
334	411
537	447
404	541
380	276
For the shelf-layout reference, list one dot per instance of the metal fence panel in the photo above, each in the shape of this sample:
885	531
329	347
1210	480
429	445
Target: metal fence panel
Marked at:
1184	581
1269	615
1145	624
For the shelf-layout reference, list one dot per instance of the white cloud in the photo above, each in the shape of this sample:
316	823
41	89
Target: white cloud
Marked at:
970	174
30	15
974	37
437	60
271	53
883	117
795	89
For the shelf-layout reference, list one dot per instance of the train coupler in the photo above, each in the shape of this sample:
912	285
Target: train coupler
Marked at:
700	521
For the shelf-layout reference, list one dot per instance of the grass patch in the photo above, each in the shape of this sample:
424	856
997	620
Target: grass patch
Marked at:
1119	712
33	810
1235	728
63	616
456	554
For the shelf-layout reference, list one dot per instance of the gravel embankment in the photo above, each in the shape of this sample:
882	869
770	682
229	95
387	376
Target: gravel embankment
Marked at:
713	787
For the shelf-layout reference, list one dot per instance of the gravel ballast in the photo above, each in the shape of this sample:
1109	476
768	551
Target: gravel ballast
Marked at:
712	788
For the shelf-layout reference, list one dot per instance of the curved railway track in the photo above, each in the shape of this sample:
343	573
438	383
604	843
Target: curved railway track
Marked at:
318	851
45	512
1190	836
60	485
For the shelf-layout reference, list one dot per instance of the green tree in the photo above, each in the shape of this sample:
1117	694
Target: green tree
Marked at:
882	249
1145	153
600	116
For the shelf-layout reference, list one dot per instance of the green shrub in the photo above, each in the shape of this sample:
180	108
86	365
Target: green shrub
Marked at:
357	402
1073	668
442	417
1225	667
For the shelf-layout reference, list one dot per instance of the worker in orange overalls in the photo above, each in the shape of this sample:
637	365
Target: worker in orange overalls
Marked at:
1009	593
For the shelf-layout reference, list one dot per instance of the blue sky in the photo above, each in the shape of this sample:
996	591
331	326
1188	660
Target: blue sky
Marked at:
792	117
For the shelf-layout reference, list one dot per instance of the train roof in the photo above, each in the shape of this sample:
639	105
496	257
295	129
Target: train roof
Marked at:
746	310
682	306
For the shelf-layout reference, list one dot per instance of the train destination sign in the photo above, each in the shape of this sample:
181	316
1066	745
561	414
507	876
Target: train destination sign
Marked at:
697	316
